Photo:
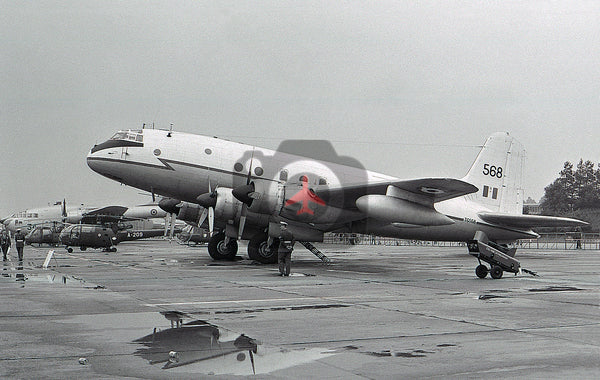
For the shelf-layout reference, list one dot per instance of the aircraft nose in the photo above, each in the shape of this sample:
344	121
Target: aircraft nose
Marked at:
98	162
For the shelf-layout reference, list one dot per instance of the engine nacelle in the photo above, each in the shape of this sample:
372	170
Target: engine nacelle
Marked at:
190	213
400	211
227	206
262	197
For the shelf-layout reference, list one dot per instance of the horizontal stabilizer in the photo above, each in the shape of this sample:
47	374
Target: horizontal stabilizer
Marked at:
528	221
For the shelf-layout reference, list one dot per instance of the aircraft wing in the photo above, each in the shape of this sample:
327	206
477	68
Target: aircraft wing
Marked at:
528	221
426	191
108	210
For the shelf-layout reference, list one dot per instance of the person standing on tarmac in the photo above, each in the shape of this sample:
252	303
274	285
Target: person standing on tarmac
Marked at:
284	257
20	243
5	243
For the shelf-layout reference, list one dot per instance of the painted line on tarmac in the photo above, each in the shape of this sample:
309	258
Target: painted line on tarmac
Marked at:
231	301
336	299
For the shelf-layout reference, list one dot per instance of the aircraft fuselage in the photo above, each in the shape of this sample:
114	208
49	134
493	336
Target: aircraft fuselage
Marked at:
184	166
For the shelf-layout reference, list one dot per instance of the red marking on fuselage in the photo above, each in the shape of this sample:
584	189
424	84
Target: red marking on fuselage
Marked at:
305	196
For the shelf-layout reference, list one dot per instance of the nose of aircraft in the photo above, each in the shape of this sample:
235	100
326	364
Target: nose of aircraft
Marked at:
92	161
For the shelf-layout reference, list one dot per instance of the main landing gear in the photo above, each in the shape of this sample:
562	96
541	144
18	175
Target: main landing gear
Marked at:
220	247
261	250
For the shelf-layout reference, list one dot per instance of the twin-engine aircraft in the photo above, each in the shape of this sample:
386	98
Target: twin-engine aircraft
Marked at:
266	197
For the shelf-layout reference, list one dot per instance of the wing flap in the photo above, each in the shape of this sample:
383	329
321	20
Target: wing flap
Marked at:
529	221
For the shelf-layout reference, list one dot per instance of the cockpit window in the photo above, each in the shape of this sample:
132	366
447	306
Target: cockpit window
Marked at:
129	135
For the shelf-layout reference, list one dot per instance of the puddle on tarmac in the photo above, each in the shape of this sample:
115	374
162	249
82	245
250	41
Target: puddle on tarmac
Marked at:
24	275
205	348
489	296
183	349
556	289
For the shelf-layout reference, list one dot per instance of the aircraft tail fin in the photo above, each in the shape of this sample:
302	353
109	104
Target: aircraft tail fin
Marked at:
498	173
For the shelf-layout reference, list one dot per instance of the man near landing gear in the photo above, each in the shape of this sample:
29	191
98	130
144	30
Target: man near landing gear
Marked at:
284	257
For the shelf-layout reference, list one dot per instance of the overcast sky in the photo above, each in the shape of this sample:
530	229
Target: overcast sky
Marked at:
409	88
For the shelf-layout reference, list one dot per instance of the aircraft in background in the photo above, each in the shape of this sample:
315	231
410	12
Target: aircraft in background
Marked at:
246	192
26	220
45	234
61	213
101	236
104	231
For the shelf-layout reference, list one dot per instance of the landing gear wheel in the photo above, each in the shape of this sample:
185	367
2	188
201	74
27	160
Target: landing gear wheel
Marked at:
82	248
481	271
496	272
218	250
113	249
259	250
69	249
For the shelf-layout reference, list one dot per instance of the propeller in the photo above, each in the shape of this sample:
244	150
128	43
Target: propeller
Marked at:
208	201
245	204
171	207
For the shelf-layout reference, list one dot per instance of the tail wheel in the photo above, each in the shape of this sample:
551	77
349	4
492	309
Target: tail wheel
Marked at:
260	250
496	272
481	271
218	250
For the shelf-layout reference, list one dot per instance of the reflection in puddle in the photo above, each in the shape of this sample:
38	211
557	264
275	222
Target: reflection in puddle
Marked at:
204	348
23	275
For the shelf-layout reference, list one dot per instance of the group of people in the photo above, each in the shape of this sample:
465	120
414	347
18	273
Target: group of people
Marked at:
5	243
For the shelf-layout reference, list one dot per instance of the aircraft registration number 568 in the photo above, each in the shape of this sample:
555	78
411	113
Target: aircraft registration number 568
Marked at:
491	170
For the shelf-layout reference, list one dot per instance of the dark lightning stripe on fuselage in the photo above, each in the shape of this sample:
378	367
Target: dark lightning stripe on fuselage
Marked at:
166	165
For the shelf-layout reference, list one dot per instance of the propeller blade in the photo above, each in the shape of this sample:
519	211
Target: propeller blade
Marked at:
249	177
252	361
211	220
167	218
173	220
242	220
203	217
64	208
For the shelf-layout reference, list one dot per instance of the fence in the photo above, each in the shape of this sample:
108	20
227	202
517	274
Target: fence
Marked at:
562	241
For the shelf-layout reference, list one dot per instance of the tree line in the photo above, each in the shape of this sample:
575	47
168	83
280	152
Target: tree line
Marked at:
575	193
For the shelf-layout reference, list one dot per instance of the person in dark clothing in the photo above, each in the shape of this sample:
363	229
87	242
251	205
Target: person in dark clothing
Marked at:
284	257
20	243
5	243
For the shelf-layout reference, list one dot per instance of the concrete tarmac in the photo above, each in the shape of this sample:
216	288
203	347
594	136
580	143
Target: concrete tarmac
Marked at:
158	310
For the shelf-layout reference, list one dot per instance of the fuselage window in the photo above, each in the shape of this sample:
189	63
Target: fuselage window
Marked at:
207	151
322	181
283	175
258	170
238	167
